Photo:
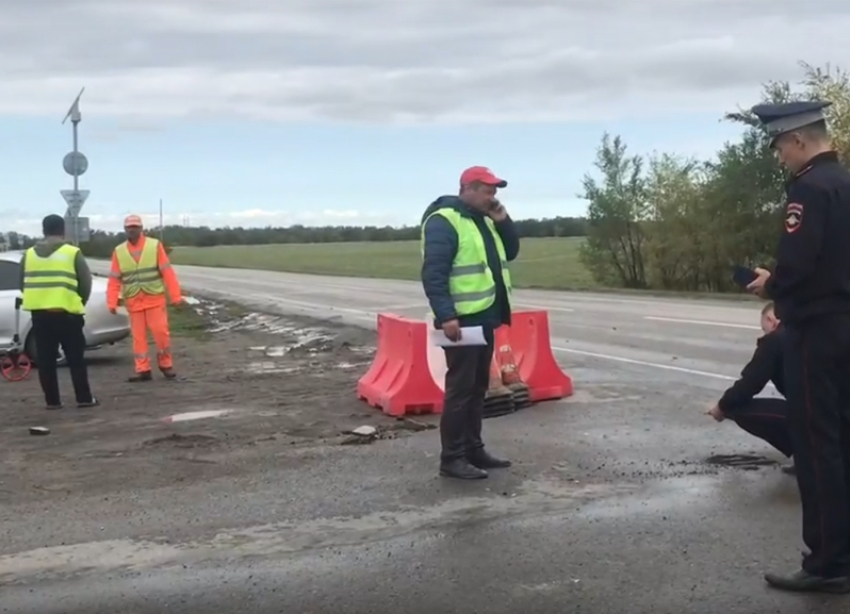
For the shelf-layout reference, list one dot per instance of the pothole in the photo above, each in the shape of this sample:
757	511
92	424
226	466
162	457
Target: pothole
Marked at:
749	462
400	428
183	441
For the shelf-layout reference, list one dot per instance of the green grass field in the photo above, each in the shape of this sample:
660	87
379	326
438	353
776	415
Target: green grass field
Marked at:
542	263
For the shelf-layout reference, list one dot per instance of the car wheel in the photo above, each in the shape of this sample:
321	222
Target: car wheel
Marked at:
29	348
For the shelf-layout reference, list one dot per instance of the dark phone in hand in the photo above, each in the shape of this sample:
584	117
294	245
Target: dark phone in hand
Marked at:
743	276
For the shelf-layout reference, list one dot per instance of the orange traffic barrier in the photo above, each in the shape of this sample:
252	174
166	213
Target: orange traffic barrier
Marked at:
530	348
400	382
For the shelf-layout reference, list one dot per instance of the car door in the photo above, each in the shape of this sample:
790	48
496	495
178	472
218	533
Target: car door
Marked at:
9	291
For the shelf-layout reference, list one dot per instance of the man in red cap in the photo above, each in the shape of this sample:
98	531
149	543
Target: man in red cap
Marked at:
467	242
142	273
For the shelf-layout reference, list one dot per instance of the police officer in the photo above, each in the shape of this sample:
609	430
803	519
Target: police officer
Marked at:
467	242
56	283
810	286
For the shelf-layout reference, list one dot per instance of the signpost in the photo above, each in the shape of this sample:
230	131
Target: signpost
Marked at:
75	226
75	164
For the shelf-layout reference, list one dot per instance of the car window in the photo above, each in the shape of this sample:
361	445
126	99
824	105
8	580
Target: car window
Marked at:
10	275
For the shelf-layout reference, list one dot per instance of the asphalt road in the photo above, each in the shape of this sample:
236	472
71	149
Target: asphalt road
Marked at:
665	335
609	508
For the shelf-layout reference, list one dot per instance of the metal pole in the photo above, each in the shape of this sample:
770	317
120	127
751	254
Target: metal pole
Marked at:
75	233
76	151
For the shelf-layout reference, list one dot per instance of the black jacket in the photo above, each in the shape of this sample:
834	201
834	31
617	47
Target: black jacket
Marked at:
440	246
812	273
765	366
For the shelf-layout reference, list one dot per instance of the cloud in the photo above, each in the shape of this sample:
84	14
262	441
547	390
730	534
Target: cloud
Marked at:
406	61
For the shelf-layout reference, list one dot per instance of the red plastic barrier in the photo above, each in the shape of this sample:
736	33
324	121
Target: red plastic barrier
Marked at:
399	382
529	339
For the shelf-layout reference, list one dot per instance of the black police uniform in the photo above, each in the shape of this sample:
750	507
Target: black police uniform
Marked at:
810	287
764	417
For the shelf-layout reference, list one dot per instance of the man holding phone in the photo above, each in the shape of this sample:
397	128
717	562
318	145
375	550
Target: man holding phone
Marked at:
810	286
467	242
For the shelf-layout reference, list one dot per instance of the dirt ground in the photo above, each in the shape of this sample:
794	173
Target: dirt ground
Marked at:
280	383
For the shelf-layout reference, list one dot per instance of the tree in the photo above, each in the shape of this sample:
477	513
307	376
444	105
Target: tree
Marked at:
617	208
683	223
679	233
833	85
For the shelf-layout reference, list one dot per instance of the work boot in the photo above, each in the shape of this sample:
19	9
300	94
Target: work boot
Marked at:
460	469
168	373
483	460
804	582
144	376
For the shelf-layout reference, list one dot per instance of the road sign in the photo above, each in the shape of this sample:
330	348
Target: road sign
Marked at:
78	229
75	164
75	199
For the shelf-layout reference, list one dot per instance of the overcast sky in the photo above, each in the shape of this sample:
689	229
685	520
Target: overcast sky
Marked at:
327	111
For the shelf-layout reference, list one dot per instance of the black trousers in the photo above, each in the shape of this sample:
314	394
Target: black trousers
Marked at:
766	419
53	329
467	380
817	381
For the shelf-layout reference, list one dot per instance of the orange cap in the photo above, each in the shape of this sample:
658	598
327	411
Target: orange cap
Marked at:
132	221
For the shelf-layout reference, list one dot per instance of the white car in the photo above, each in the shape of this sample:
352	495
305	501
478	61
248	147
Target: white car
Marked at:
102	328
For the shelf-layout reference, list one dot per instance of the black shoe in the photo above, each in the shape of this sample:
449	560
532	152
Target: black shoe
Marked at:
483	460
804	582
144	376
93	403
461	469
53	407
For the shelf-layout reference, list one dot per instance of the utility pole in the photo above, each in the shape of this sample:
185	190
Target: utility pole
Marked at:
75	164
161	224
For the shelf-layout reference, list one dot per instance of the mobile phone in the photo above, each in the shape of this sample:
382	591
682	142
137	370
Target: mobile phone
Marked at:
743	276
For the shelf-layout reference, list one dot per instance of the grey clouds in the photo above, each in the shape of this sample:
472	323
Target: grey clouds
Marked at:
403	61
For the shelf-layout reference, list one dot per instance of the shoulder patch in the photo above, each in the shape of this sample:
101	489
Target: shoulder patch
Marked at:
793	217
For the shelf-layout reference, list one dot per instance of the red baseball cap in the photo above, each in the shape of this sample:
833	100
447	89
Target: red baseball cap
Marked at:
483	175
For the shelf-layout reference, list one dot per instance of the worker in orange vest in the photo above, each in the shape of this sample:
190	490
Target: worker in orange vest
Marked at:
142	272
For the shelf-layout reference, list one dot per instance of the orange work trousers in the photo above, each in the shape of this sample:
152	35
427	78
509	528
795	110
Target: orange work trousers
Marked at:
154	319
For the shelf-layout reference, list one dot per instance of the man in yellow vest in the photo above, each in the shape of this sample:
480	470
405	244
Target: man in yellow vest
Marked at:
56	284
467	242
142	272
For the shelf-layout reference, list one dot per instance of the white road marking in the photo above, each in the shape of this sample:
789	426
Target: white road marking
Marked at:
196	415
702	322
312	306
544	307
644	363
403	306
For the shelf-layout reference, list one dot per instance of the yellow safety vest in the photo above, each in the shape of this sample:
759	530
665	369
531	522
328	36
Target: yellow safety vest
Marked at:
471	281
142	275
51	282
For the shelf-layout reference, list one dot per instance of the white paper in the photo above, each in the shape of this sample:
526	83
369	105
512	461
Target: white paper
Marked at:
469	335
